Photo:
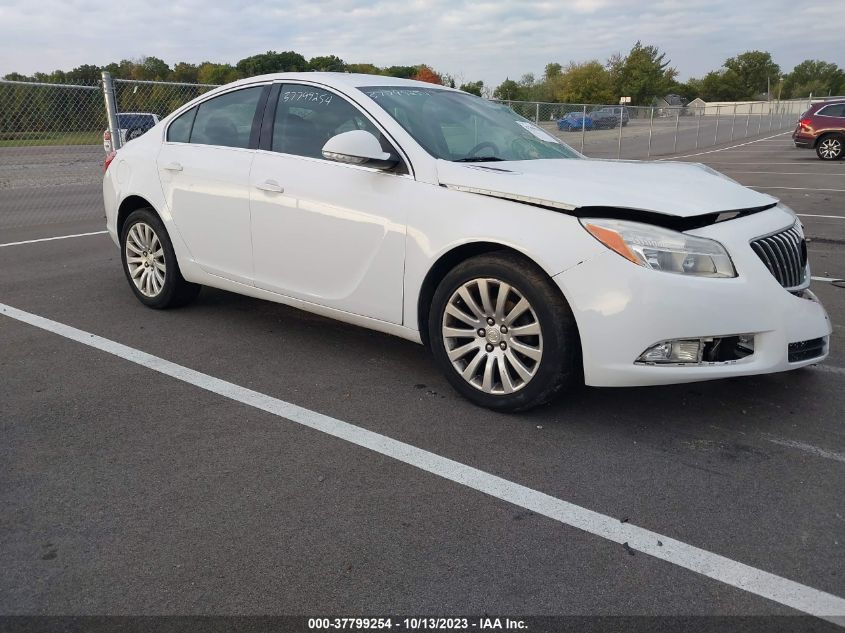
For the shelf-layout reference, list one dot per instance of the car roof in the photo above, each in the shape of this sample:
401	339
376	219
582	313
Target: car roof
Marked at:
341	80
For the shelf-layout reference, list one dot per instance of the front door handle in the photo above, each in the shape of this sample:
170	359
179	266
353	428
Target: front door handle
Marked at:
270	185
173	167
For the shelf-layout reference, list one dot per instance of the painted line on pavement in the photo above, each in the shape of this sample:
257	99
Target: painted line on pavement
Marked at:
796	188
807	448
810	215
725	570
724	149
50	239
788	173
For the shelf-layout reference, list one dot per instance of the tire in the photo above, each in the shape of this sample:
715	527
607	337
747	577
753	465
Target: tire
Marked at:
149	262
547	362
134	133
831	147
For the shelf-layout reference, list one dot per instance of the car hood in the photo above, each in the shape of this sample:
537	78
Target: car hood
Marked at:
674	189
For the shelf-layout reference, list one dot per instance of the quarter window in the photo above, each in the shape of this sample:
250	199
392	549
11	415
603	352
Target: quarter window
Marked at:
180	130
307	117
837	110
226	120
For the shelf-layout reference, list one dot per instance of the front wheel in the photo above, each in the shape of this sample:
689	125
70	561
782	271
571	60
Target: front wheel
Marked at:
149	262
503	334
831	147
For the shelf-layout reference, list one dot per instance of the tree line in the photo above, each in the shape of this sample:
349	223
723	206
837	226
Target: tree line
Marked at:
645	74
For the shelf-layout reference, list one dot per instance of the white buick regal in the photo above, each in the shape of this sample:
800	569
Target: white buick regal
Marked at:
442	218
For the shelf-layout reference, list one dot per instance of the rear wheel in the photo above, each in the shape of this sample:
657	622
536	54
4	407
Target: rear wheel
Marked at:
831	147
503	334
149	262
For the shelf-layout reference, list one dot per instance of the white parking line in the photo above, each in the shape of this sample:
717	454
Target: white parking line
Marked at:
795	188
827	279
725	149
756	581
788	173
50	239
810	215
807	448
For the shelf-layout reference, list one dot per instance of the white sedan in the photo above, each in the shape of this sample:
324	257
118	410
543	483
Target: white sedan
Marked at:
445	219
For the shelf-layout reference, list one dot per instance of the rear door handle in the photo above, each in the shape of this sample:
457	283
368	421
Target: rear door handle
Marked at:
270	185
173	167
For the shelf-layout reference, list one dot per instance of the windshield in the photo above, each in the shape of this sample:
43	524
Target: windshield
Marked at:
461	127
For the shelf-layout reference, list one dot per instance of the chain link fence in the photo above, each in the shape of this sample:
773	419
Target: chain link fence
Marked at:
636	132
53	137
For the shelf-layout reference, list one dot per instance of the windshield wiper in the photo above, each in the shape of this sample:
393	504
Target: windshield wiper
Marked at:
478	159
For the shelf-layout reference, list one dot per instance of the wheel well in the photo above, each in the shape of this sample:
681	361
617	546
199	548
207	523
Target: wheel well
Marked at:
442	267
130	204
826	134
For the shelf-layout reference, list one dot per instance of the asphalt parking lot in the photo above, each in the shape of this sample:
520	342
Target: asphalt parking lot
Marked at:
130	486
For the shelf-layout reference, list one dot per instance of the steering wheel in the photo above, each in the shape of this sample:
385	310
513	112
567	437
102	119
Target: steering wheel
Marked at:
474	151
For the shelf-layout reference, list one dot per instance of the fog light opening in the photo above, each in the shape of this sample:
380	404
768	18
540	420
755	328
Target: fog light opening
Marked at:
699	351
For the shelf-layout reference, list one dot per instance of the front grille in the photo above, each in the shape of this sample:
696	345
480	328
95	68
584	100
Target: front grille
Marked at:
805	350
785	255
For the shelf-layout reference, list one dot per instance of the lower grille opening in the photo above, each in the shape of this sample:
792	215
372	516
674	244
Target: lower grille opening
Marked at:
805	350
721	350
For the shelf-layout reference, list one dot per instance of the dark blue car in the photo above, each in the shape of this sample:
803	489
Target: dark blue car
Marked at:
575	121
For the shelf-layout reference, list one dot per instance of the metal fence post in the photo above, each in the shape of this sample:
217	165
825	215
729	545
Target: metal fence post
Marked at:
677	123
760	120
650	130
698	130
718	118
619	146
771	116
747	119
111	110
583	127
733	123
537	113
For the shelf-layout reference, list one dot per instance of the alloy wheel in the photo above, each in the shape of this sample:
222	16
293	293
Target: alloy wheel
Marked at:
145	259
830	148
492	336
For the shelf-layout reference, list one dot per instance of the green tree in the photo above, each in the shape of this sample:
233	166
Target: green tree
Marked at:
185	72
587	82
642	75
150	69
553	70
509	90
756	71
816	77
211	73
473	87
721	85
365	68
271	62
85	74
327	63
404	72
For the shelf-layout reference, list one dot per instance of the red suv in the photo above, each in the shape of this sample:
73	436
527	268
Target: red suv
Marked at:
822	128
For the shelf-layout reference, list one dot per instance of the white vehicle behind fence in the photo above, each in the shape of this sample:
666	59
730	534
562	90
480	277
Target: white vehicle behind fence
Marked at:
132	125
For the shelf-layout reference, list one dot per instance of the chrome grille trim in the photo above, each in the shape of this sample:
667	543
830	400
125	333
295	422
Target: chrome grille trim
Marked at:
785	255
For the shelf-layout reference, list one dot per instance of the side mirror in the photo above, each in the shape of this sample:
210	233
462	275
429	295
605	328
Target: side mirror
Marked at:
358	147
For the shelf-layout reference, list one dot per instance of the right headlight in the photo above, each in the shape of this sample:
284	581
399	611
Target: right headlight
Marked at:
662	249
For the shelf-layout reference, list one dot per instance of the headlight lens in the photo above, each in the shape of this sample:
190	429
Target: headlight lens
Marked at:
662	249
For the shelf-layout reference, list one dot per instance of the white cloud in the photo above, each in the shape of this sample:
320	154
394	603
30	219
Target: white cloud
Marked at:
473	39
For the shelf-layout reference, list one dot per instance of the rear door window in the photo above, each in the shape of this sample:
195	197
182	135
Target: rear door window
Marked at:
226	120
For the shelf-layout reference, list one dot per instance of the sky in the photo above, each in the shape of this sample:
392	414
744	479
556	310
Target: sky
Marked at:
471	40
